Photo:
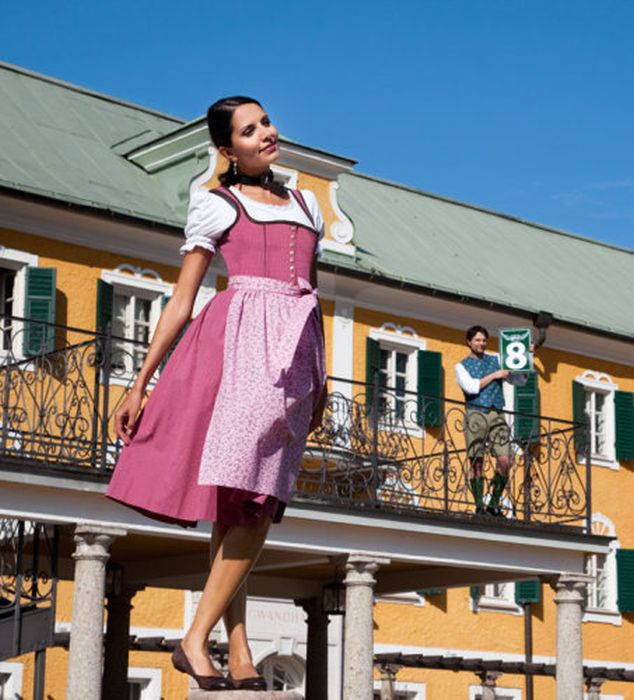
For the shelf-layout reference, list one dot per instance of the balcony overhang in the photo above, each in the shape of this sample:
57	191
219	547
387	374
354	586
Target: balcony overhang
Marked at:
307	549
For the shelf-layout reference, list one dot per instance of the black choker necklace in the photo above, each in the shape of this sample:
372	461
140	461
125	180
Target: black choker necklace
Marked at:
264	180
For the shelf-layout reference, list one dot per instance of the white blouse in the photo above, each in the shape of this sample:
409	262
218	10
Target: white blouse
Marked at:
209	216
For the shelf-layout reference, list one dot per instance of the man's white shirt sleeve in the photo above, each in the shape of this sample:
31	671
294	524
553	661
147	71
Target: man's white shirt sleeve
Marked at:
465	381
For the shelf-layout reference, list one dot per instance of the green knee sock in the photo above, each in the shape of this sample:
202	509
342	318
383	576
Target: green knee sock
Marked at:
497	488
477	489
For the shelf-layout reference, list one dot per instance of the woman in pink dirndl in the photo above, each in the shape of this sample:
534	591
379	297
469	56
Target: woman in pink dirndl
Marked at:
222	435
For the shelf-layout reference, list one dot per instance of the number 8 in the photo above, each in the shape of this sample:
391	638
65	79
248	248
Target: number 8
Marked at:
516	355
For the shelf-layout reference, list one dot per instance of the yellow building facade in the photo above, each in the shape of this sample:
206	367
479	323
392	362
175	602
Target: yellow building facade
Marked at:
87	244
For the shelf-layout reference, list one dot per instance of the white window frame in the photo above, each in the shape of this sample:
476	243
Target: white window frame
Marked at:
602	525
14	683
601	382
152	676
488	601
17	260
475	693
134	282
415	691
403	339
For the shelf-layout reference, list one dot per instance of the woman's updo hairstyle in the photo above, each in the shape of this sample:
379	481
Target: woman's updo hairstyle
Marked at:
219	117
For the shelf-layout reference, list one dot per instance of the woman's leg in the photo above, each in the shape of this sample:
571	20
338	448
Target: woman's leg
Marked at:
237	549
240	659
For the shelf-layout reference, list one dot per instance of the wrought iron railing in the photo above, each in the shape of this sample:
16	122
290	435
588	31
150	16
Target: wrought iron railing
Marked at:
377	448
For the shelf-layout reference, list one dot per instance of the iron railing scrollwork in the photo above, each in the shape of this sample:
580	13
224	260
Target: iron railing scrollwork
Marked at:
371	450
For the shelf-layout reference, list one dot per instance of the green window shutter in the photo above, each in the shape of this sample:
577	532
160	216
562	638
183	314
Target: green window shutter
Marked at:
625	579
579	416
474	592
528	591
39	306
164	299
526	400
430	381
624	422
105	305
372	366
430	591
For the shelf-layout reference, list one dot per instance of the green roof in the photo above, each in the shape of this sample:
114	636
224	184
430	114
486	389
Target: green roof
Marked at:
69	144
57	141
425	240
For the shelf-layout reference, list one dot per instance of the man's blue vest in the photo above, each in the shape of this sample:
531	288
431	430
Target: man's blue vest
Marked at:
492	395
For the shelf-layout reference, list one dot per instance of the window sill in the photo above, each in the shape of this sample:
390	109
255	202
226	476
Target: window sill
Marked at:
496	605
606	617
601	462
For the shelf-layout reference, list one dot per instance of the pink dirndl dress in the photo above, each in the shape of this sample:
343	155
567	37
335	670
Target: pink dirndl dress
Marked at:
223	432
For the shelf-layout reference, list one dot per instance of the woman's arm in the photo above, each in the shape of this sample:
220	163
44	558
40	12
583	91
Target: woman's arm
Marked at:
173	318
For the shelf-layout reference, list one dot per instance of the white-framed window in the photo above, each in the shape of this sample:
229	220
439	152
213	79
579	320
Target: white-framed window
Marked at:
497	597
136	308
599	407
13	265
398	370
601	594
402	691
144	683
282	672
10	680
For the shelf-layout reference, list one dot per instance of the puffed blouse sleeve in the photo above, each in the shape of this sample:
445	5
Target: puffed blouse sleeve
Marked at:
208	217
315	211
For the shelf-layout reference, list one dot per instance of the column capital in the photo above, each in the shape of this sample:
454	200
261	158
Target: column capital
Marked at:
93	540
488	679
570	587
593	685
360	568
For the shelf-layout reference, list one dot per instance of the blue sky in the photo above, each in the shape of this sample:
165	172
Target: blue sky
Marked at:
524	107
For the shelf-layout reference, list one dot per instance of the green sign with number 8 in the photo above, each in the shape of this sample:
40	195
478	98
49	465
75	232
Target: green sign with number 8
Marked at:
515	349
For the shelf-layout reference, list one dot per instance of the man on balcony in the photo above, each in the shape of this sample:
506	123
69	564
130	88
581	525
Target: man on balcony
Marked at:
480	378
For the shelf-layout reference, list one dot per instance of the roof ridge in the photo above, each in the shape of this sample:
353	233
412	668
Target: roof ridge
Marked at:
87	91
493	212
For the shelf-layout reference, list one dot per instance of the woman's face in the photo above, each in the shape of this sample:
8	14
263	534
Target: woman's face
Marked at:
253	140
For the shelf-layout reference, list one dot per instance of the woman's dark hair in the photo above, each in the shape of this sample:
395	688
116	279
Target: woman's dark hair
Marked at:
219	117
474	330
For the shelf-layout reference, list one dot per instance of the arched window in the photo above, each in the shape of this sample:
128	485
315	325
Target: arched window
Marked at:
282	672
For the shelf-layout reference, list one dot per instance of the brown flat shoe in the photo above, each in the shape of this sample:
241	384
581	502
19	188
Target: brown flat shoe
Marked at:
253	683
181	663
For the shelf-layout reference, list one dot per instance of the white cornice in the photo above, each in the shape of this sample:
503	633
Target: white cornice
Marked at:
194	139
462	314
155	245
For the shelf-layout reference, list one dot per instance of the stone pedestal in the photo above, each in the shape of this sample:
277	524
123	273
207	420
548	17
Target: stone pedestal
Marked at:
86	638
316	649
358	643
488	680
570	600
245	695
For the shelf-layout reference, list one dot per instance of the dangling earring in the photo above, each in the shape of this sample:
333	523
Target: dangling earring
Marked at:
234	168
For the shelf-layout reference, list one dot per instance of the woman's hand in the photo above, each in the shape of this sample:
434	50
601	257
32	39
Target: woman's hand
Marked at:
127	415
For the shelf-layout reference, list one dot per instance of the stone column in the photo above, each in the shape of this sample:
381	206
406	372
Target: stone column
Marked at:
316	648
593	687
570	592
488	679
388	676
86	638
358	644
117	642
